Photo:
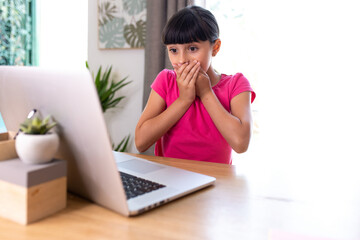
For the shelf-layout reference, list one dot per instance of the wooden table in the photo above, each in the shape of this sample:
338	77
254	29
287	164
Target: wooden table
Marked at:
234	208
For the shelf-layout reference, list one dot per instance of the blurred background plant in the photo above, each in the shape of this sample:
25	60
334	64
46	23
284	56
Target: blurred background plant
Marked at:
107	90
122	146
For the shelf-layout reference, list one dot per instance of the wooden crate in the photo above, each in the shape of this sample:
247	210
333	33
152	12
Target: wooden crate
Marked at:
31	192
7	146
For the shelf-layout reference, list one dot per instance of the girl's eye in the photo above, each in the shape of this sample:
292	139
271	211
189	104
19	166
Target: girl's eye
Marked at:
173	50
192	49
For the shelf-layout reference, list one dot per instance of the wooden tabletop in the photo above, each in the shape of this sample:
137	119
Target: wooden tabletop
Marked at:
234	208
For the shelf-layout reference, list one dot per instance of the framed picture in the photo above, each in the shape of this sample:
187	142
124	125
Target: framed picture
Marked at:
121	24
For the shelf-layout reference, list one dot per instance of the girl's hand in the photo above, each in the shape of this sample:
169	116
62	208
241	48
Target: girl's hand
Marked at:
202	85
186	75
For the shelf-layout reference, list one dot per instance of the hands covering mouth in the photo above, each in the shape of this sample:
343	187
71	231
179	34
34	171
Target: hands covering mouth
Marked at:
192	80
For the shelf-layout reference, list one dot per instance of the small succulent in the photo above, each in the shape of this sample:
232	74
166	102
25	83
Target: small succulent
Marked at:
37	126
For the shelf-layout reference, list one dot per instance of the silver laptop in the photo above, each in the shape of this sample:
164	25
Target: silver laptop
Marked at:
93	168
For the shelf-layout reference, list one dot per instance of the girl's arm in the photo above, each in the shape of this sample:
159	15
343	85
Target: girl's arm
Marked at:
155	120
235	127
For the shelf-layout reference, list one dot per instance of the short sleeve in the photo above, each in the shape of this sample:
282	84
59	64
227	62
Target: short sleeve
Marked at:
160	83
240	84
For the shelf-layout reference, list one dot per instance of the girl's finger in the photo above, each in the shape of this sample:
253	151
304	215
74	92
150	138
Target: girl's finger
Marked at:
194	69
180	70
176	66
202	71
195	75
188	69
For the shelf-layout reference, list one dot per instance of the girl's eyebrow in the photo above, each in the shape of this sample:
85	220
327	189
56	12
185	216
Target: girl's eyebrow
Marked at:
193	44
182	45
175	45
170	45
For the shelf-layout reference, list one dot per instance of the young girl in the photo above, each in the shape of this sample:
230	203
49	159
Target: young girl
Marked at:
192	111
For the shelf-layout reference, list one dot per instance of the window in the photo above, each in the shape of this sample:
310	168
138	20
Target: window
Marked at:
17	32
239	47
2	125
63	38
302	59
45	33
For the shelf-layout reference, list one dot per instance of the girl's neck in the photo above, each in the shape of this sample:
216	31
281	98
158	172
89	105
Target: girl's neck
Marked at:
213	75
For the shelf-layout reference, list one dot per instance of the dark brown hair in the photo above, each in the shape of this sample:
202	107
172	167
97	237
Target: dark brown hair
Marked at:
191	24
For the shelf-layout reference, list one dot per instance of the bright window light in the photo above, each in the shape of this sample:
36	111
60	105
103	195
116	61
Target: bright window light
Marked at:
62	29
302	58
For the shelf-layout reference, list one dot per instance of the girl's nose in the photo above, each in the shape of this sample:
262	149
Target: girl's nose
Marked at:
183	58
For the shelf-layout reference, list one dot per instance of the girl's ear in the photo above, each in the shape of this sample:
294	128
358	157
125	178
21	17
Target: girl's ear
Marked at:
216	47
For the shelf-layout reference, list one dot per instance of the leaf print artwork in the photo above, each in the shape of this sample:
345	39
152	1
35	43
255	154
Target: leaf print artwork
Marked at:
134	6
107	12
111	33
135	35
121	23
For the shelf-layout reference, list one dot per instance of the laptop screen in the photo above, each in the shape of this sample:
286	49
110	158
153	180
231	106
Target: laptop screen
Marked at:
71	98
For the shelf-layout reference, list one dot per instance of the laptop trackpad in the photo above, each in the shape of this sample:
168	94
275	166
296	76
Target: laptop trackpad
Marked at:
138	166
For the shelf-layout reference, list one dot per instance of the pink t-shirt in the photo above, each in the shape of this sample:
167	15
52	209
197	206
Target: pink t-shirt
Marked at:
195	136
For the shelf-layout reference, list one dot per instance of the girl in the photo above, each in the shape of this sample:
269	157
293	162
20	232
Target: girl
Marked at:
192	111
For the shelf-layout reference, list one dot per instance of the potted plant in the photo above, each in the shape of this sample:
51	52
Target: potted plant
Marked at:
36	144
107	89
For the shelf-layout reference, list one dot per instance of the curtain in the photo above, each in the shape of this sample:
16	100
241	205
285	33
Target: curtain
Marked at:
156	59
17	32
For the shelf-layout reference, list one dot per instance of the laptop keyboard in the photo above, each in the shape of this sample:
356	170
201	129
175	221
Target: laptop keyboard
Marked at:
135	186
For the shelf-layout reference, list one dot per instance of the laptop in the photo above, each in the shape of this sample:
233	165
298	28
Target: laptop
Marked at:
95	171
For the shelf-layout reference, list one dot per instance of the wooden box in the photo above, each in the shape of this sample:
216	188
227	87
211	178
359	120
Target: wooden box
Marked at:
7	146
31	192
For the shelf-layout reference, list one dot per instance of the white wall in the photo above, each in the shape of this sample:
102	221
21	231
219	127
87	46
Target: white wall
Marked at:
62	32
126	62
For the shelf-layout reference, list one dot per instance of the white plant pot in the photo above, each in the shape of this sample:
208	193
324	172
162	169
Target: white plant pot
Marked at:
36	149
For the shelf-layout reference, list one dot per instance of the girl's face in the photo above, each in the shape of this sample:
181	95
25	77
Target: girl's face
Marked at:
185	53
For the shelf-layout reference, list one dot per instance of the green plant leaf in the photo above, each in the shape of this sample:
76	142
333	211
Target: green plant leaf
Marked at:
50	127
106	77
106	89
46	120
106	95
114	102
97	78
119	86
103	85
37	125
122	146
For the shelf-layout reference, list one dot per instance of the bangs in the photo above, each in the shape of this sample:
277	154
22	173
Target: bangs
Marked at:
186	29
